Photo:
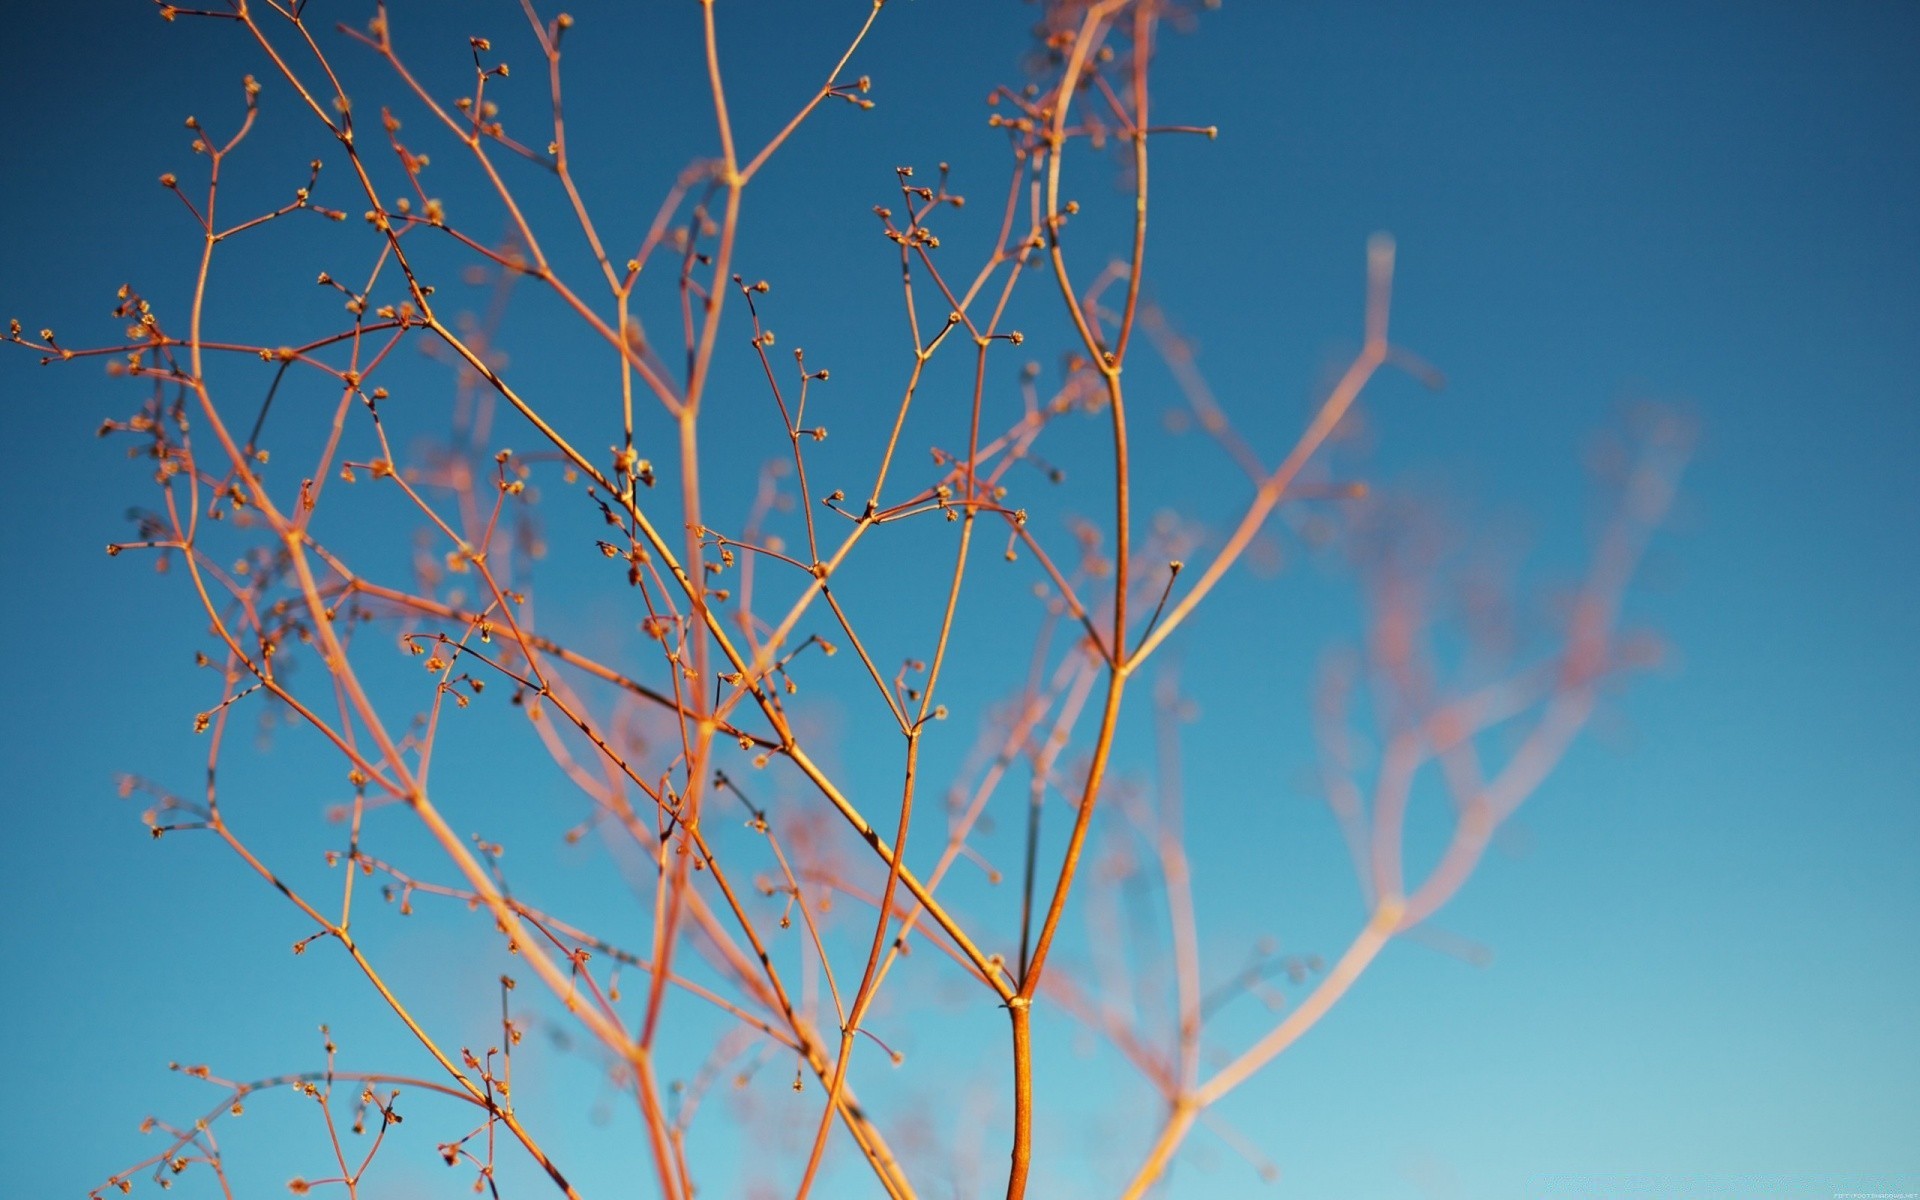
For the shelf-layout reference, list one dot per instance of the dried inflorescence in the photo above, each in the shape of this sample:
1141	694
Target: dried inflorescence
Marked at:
781	933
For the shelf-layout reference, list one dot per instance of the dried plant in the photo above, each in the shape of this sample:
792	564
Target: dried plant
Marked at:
774	902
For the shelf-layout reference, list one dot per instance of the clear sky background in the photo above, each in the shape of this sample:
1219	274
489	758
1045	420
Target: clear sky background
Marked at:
1706	939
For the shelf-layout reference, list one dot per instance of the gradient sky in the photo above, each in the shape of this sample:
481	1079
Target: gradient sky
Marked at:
1707	941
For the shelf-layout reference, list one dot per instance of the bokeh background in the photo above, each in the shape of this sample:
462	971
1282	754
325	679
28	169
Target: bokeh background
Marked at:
1705	934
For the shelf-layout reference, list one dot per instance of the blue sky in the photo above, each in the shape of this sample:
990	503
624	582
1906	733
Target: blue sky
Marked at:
1707	937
